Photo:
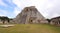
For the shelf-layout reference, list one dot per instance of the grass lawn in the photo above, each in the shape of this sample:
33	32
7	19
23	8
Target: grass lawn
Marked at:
31	28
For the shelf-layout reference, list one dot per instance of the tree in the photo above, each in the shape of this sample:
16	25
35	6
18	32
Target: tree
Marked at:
3	18
48	20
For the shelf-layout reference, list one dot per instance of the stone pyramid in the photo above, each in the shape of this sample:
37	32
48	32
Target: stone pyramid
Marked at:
29	15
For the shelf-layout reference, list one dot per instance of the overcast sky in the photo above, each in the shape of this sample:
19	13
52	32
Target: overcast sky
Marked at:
48	8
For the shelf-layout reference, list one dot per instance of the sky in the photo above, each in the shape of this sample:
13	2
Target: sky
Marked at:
48	8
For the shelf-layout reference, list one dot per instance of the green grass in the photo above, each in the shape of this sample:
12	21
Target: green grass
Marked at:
31	28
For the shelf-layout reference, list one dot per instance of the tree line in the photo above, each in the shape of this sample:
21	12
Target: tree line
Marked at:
3	19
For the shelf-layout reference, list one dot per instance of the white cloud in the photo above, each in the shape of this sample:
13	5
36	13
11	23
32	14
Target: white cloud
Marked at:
24	3
17	11
45	7
2	3
3	13
17	2
54	15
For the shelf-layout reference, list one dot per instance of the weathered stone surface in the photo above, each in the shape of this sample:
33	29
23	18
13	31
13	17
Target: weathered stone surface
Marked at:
29	15
55	21
6	26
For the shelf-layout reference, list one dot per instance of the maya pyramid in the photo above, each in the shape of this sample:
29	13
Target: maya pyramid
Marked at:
29	15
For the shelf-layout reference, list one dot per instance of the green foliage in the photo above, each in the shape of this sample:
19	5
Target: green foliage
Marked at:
49	20
3	18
